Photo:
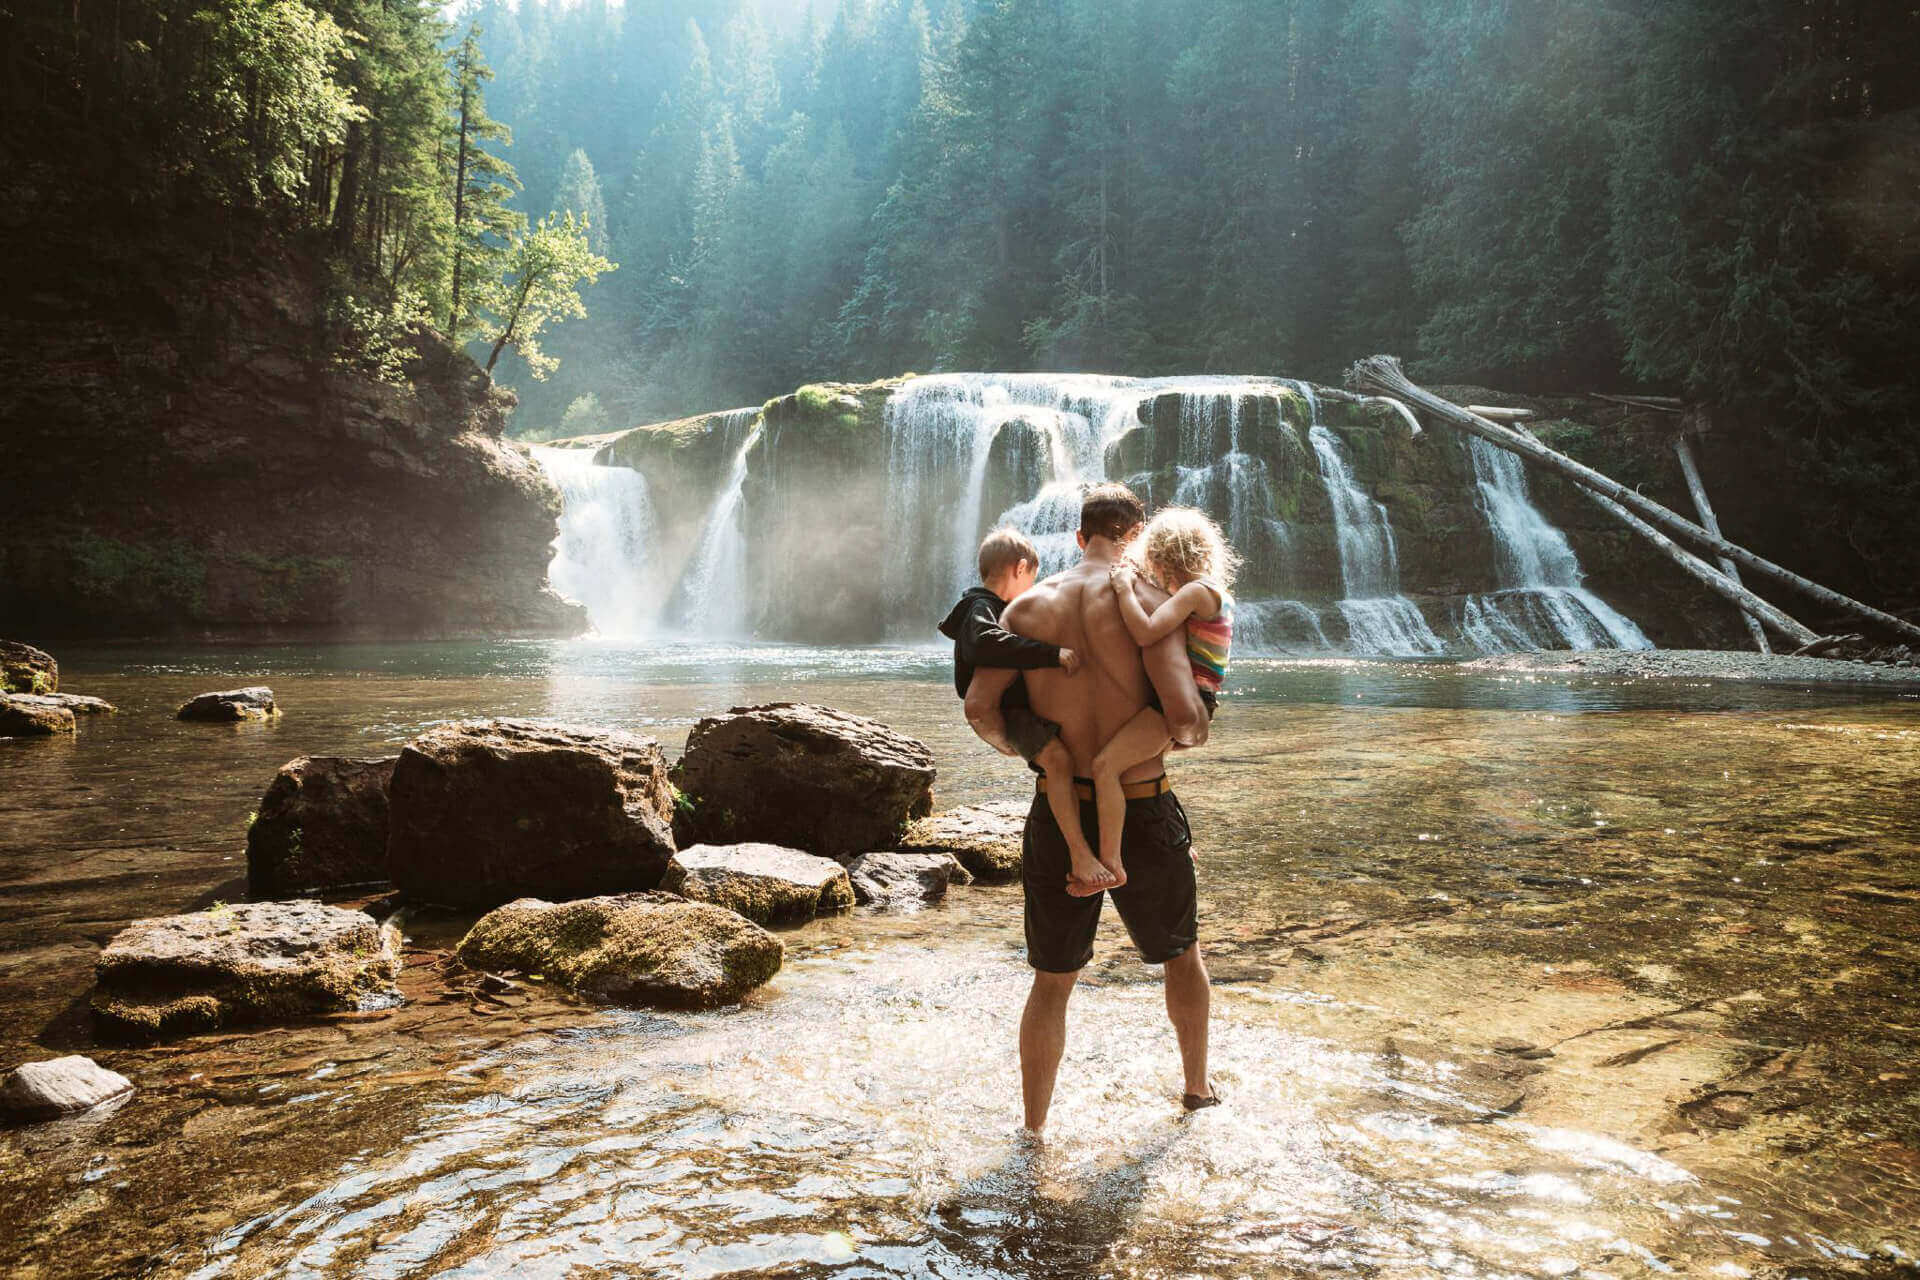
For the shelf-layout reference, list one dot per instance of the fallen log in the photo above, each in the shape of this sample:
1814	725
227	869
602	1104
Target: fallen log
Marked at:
1711	524
1495	413
1659	404
1384	374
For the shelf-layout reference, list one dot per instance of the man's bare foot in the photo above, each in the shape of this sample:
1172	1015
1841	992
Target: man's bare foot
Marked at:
1090	875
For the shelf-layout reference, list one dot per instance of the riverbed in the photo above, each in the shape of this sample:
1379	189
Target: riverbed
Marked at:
1531	976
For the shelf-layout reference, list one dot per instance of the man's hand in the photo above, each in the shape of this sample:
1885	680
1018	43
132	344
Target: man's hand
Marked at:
1069	661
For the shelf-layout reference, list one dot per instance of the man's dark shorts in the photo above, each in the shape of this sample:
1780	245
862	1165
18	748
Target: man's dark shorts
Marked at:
1157	903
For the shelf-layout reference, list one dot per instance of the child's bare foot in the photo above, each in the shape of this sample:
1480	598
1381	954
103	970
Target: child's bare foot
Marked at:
1090	875
1116	870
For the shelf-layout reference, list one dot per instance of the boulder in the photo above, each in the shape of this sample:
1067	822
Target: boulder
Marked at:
252	703
803	776
250	962
904	881
25	669
322	824
486	811
635	949
60	1087
763	882
985	838
25	716
78	703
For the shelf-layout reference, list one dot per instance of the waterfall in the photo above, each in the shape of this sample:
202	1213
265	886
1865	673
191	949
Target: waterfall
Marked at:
713	592
602	556
1379	619
1542	604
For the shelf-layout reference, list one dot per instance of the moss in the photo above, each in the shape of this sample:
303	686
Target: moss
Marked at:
284	584
142	575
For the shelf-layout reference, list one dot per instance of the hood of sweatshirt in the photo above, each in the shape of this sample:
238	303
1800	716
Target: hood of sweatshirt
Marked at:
965	607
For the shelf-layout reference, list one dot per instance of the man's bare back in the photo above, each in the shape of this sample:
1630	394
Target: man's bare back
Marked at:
1076	608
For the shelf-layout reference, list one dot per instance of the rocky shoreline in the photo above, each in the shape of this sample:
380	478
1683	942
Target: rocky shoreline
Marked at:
1695	664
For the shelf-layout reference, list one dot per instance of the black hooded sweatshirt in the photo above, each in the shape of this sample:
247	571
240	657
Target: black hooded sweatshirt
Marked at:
980	641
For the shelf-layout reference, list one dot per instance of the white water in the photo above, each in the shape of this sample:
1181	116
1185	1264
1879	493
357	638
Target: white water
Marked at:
713	591
603	555
1542	604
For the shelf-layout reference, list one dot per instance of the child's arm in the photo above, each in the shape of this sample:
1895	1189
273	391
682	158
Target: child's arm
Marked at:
985	643
1169	617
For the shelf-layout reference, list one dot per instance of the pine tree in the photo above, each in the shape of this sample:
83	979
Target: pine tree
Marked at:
482	184
580	195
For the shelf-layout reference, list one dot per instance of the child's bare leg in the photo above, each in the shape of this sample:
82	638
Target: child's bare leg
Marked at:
1141	738
1057	761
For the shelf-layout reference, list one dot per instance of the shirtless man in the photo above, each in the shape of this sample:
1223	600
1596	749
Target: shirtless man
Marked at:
1157	904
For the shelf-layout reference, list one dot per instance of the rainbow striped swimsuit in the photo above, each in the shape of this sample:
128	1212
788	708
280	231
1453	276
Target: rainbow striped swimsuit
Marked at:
1209	642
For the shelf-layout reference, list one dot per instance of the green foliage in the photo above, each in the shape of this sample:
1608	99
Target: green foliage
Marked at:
544	272
138	575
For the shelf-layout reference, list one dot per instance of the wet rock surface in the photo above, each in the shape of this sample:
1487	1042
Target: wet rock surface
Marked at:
1695	664
31	717
803	776
252	703
487	811
984	838
635	949
763	882
25	669
322	824
250	962
78	703
60	1087
904	881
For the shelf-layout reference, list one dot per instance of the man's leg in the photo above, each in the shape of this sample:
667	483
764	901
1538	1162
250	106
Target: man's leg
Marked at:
1043	1038
1188	1000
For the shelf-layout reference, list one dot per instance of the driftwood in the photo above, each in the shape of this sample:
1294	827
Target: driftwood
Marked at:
1711	524
1384	373
1659	404
1494	413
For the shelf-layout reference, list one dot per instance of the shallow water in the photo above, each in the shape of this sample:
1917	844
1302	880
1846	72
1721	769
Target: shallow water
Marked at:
1702	900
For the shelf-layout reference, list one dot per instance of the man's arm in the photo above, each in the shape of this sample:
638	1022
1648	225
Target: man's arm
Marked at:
1171	672
983	706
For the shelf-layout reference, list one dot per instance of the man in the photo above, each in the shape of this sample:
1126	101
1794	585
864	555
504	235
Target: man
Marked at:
1077	609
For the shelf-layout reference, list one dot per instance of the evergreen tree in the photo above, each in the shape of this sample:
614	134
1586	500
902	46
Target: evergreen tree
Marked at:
482	185
580	196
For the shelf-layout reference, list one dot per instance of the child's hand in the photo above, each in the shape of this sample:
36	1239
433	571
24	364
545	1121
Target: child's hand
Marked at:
1121	576
1069	661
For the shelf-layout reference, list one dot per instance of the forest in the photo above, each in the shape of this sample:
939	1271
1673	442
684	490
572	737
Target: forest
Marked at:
1705	198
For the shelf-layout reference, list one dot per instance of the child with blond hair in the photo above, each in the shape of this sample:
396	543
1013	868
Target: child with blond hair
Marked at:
1183	550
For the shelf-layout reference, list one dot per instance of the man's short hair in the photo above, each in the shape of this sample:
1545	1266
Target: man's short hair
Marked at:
1110	511
1003	549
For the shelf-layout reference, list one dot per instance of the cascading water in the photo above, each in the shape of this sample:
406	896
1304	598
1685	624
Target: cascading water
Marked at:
1379	619
603	556
713	592
1542	604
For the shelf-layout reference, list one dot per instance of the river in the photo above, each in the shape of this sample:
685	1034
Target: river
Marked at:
1512	977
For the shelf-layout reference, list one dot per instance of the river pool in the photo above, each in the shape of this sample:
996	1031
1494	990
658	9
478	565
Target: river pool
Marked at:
1513	976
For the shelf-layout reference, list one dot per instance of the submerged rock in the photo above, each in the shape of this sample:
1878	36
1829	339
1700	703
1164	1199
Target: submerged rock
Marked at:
803	776
78	703
763	882
60	1087
487	811
25	669
985	839
636	949
252	703
251	962
322	824
25	716
904	881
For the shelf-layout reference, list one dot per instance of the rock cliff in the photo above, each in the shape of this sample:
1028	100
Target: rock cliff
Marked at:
194	461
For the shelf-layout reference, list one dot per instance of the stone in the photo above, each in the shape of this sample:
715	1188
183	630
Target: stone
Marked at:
803	776
633	949
60	1087
252	703
322	824
486	811
986	839
78	703
904	881
763	882
250	962
25	669
25	716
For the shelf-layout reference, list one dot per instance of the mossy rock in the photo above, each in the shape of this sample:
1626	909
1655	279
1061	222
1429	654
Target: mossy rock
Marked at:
763	882
25	669
636	949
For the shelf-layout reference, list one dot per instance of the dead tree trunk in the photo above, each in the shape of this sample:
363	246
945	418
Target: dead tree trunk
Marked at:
1711	524
1383	373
